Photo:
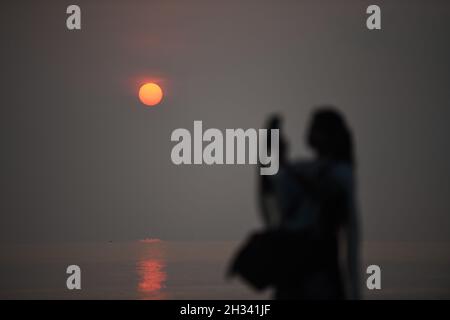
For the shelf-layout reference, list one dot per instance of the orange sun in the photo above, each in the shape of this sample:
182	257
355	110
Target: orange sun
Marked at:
150	94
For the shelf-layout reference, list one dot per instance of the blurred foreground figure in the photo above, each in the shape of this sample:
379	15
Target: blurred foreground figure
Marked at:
309	249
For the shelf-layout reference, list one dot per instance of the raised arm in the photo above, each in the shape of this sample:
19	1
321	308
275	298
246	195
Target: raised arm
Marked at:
268	202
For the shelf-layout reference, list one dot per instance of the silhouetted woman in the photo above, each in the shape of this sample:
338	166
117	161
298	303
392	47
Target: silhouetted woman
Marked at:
310	205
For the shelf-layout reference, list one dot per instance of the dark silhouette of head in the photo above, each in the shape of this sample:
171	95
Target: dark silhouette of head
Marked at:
329	135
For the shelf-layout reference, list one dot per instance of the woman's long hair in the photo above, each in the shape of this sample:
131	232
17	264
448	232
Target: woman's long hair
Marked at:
330	136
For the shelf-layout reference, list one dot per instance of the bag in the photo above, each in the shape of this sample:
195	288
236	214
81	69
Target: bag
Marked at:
274	257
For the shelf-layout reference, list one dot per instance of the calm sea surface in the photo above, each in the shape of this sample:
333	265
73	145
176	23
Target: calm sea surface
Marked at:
194	270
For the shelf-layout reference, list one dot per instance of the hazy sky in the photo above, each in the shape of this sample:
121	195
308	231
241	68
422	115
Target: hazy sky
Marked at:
82	159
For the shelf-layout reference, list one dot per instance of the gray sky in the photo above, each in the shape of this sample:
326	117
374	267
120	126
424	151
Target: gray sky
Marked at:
82	159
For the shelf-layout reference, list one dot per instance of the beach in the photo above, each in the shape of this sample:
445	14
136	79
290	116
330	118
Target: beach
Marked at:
195	270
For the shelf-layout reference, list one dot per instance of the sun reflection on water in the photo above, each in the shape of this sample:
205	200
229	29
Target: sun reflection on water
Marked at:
152	274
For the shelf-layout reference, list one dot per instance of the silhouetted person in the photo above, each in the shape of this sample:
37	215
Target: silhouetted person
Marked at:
309	211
